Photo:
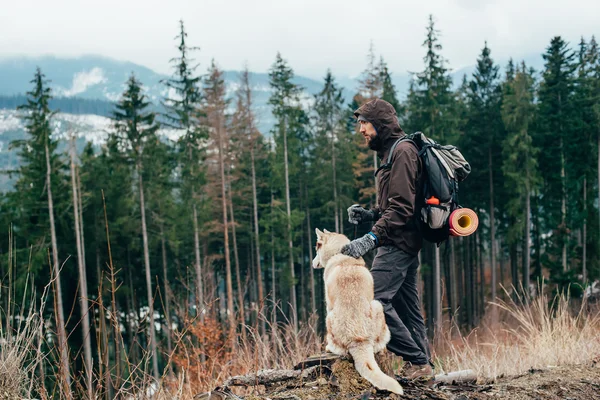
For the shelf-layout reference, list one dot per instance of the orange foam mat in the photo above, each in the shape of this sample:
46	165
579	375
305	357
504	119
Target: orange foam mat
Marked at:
463	222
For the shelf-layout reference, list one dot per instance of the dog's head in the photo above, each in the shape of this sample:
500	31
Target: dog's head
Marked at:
328	245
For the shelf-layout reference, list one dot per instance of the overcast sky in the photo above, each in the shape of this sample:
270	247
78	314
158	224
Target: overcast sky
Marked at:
312	35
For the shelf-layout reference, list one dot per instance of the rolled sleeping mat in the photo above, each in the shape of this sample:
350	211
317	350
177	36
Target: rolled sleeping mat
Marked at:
463	222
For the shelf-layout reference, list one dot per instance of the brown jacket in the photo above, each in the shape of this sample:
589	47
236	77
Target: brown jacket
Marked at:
398	184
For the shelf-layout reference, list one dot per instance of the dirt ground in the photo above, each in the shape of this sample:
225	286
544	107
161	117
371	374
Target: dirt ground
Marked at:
341	381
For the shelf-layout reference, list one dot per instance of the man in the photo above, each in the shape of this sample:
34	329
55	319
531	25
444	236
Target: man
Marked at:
395	236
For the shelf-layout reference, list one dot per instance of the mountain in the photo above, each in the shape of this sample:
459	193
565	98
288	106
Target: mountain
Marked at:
102	78
89	77
85	89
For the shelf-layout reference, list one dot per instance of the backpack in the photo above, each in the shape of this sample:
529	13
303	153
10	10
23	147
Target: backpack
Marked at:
437	197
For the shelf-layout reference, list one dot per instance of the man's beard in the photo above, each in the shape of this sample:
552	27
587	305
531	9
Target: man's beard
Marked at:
375	143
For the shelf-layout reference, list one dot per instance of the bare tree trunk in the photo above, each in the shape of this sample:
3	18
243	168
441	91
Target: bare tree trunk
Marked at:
103	350
313	301
259	278
273	287
584	245
252	285
481	269
153	354
103	342
289	234
492	233
83	292
501	262
60	316
80	216
113	303
240	289
228	280
335	197
199	286
563	207
468	288
134	310
236	258
514	269
167	295
527	245
453	284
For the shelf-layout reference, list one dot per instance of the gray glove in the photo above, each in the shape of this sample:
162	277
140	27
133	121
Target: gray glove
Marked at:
357	214
359	247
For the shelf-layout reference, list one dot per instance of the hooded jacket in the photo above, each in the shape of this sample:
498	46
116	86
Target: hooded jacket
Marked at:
398	185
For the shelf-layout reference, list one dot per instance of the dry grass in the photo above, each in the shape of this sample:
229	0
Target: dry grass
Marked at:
281	348
19	351
16	352
544	333
537	335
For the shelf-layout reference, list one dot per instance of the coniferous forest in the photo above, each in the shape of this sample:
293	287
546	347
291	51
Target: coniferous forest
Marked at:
149	259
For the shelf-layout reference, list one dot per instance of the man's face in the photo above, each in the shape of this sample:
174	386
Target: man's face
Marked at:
367	130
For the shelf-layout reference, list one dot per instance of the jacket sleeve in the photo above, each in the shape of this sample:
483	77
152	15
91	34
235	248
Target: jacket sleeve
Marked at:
402	192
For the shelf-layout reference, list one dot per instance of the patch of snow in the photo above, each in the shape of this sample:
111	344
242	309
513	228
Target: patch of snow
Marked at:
9	120
83	80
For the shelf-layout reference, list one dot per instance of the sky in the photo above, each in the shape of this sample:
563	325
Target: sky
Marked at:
312	35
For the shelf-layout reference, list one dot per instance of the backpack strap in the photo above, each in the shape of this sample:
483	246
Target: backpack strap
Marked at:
388	164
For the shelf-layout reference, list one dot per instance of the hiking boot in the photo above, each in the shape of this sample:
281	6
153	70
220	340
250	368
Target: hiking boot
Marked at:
415	372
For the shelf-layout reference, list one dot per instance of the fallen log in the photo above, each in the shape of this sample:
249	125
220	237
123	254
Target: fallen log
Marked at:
452	378
269	376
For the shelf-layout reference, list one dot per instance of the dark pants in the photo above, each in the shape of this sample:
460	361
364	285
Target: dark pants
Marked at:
395	275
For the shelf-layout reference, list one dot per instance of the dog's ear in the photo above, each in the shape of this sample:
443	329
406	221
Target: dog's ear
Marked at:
326	231
319	233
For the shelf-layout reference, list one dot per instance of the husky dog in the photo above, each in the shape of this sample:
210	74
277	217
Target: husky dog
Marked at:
355	322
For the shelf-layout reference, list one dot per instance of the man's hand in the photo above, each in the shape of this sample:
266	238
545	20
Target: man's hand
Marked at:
359	247
357	214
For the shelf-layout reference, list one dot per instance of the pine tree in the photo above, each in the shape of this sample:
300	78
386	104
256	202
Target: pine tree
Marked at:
555	122
328	120
371	85
585	97
183	114
388	90
160	188
520	161
181	105
135	126
215	106
485	132
593	58
106	181
291	119
41	175
430	108
430	98
248	137
83	295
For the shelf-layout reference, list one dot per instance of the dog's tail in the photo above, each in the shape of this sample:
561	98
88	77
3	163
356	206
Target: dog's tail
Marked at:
365	364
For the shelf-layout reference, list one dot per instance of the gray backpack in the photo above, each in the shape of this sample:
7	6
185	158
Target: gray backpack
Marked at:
443	168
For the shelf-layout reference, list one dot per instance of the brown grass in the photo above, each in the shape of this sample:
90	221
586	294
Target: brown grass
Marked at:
544	333
281	348
19	351
540	334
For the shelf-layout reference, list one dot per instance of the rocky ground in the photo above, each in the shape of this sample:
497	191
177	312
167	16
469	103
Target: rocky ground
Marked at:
339	380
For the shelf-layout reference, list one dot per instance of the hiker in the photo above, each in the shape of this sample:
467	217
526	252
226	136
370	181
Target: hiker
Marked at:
395	236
